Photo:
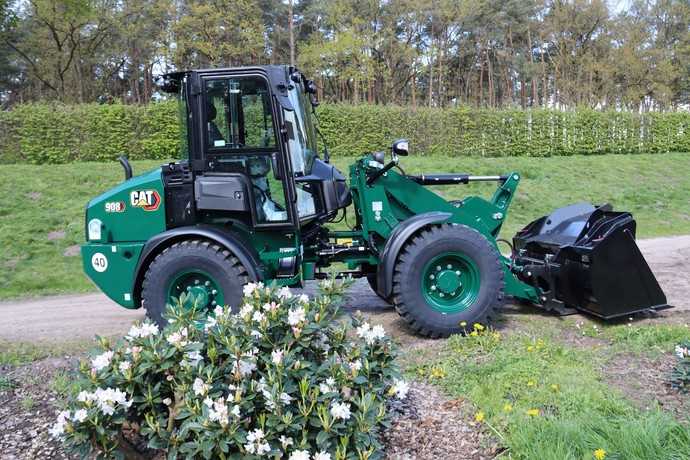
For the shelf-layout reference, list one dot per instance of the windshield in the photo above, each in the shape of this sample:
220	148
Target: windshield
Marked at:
301	134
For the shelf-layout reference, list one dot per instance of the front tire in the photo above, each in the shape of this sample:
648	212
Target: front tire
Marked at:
202	268
447	275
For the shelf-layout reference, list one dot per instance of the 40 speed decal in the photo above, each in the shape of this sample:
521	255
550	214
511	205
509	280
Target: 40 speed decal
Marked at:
148	200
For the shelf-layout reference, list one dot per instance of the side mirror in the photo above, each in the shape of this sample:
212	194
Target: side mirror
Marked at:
400	148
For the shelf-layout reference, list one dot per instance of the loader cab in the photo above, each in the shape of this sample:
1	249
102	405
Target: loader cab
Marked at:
252	148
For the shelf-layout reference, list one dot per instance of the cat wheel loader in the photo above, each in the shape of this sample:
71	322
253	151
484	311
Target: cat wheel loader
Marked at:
252	201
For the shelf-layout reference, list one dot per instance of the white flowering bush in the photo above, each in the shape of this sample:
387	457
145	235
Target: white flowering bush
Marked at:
284	377
680	376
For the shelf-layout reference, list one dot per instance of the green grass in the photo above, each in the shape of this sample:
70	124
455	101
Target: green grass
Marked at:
22	353
577	412
38	200
653	339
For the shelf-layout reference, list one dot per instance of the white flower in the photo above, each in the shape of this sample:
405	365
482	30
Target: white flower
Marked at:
258	316
124	366
80	415
178	338
58	428
199	387
340	410
296	316
378	332
85	396
682	352
277	356
322	456
299	455
218	311
218	410
400	389
271	307
303	298
284	293
142	331
249	289
194	357
285	398
244	367
106	399
167	401
254	443
210	322
245	311
102	361
285	442
328	386
235	411
356	365
369	334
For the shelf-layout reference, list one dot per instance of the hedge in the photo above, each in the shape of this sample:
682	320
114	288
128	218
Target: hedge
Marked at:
52	133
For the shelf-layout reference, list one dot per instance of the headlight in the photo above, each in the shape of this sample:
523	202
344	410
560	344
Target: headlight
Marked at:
95	226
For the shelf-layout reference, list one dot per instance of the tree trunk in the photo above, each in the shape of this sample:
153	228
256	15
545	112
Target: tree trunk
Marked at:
291	32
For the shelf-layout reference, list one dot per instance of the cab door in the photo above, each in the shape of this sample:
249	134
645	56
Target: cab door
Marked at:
238	134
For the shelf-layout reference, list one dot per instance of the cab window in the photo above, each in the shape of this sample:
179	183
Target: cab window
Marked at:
238	114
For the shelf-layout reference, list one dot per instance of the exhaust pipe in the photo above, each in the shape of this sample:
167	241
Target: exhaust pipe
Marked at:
584	257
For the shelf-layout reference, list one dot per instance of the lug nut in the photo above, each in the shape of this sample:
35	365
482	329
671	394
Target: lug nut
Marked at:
189	288
449	266
214	292
442	294
433	288
196	281
438	268
457	272
431	277
207	283
213	304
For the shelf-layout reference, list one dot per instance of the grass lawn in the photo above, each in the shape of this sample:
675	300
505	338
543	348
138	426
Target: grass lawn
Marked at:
545	393
42	207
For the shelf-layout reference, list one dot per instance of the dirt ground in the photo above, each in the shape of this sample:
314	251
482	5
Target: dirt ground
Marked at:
75	317
431	425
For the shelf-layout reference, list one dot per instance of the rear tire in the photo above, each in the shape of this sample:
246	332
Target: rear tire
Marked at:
446	275
182	266
371	279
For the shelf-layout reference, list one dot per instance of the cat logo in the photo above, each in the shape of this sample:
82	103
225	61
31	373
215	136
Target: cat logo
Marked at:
148	200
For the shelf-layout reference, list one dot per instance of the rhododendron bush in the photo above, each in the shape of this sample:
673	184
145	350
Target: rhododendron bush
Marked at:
284	377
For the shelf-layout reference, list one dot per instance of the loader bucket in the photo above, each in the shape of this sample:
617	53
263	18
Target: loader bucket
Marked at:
585	257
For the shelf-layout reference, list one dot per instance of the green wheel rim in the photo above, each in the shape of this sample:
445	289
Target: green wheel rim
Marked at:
450	282
199	286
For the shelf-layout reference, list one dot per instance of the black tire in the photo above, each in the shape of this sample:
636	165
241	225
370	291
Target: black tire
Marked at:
371	279
213	259
407	281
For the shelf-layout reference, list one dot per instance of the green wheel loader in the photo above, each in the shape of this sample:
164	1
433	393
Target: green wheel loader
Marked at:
252	201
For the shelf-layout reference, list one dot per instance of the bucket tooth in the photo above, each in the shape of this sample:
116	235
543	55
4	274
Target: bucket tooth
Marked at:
585	257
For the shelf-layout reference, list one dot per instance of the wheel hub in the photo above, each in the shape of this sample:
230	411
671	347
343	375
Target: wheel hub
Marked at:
199	286
450	282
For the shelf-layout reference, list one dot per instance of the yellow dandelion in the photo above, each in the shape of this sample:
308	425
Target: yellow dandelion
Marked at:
507	407
531	383
533	412
555	387
478	327
600	454
438	372
530	348
474	334
479	417
496	335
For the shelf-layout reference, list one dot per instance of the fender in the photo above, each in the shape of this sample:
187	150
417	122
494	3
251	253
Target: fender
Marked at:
395	242
231	241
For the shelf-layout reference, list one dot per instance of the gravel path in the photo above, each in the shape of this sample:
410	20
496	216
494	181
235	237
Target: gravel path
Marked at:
78	317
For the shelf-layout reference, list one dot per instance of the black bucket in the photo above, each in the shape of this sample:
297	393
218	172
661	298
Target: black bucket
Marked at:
585	257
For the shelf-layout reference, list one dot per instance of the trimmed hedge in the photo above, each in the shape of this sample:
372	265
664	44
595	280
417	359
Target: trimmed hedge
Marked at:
52	133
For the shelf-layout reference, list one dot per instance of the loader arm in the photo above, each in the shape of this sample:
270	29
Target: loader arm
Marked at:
394	200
